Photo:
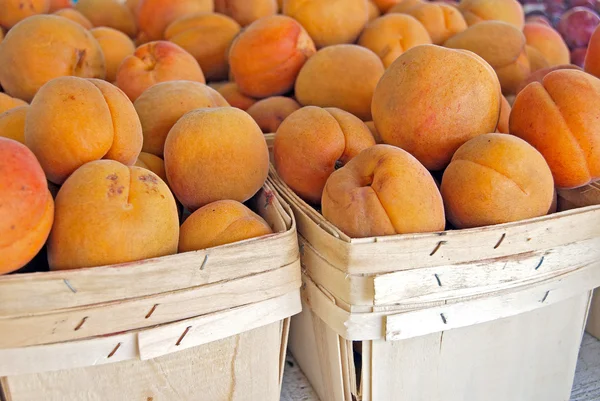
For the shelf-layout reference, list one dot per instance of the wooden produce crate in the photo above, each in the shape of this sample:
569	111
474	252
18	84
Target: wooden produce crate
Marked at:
207	325
494	313
577	198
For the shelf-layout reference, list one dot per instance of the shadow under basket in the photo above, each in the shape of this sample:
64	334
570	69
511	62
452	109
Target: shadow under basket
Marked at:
208	325
574	199
489	314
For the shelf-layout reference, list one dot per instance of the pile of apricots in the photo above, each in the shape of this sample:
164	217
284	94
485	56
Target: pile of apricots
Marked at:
135	129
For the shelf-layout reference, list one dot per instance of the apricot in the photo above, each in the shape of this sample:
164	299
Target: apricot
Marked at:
14	11
371	126
312	143
108	13
431	100
75	16
26	206
219	223
12	124
246	12
329	22
504	116
441	20
559	117
548	42
402	6
152	163
391	35
7	102
1	34
537	60
501	45
59	4
207	37
512	75
383	191
116	46
266	57
498	43
539	75
269	113
154	16
215	154
327	81
163	104
495	179
591	64
26	65
231	93
155	62
72	121
509	11
133	5
109	213
385	5
374	11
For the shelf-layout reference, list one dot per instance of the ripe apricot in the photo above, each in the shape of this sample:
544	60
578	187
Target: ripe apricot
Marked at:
219	223
14	11
156	62
269	113
312	143
246	12
116	46
494	179
215	154
12	123
108	13
75	16
393	34
72	121
326	81
560	118
207	37
27	65
329	22
154	16
383	191
431	100
109	213
266	57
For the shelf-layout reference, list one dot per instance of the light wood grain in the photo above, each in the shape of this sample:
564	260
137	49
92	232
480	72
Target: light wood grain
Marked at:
132	314
586	386
149	343
593	325
244	367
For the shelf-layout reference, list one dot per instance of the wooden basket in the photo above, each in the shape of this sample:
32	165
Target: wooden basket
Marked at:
207	325
573	199
488	314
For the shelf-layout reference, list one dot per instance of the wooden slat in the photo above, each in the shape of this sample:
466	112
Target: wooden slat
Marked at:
457	313
27	294
404	252
447	282
127	315
531	356
143	343
204	329
413	324
593	324
243	367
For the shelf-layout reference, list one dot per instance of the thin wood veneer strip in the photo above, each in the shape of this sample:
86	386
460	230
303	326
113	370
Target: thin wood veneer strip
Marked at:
145	343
